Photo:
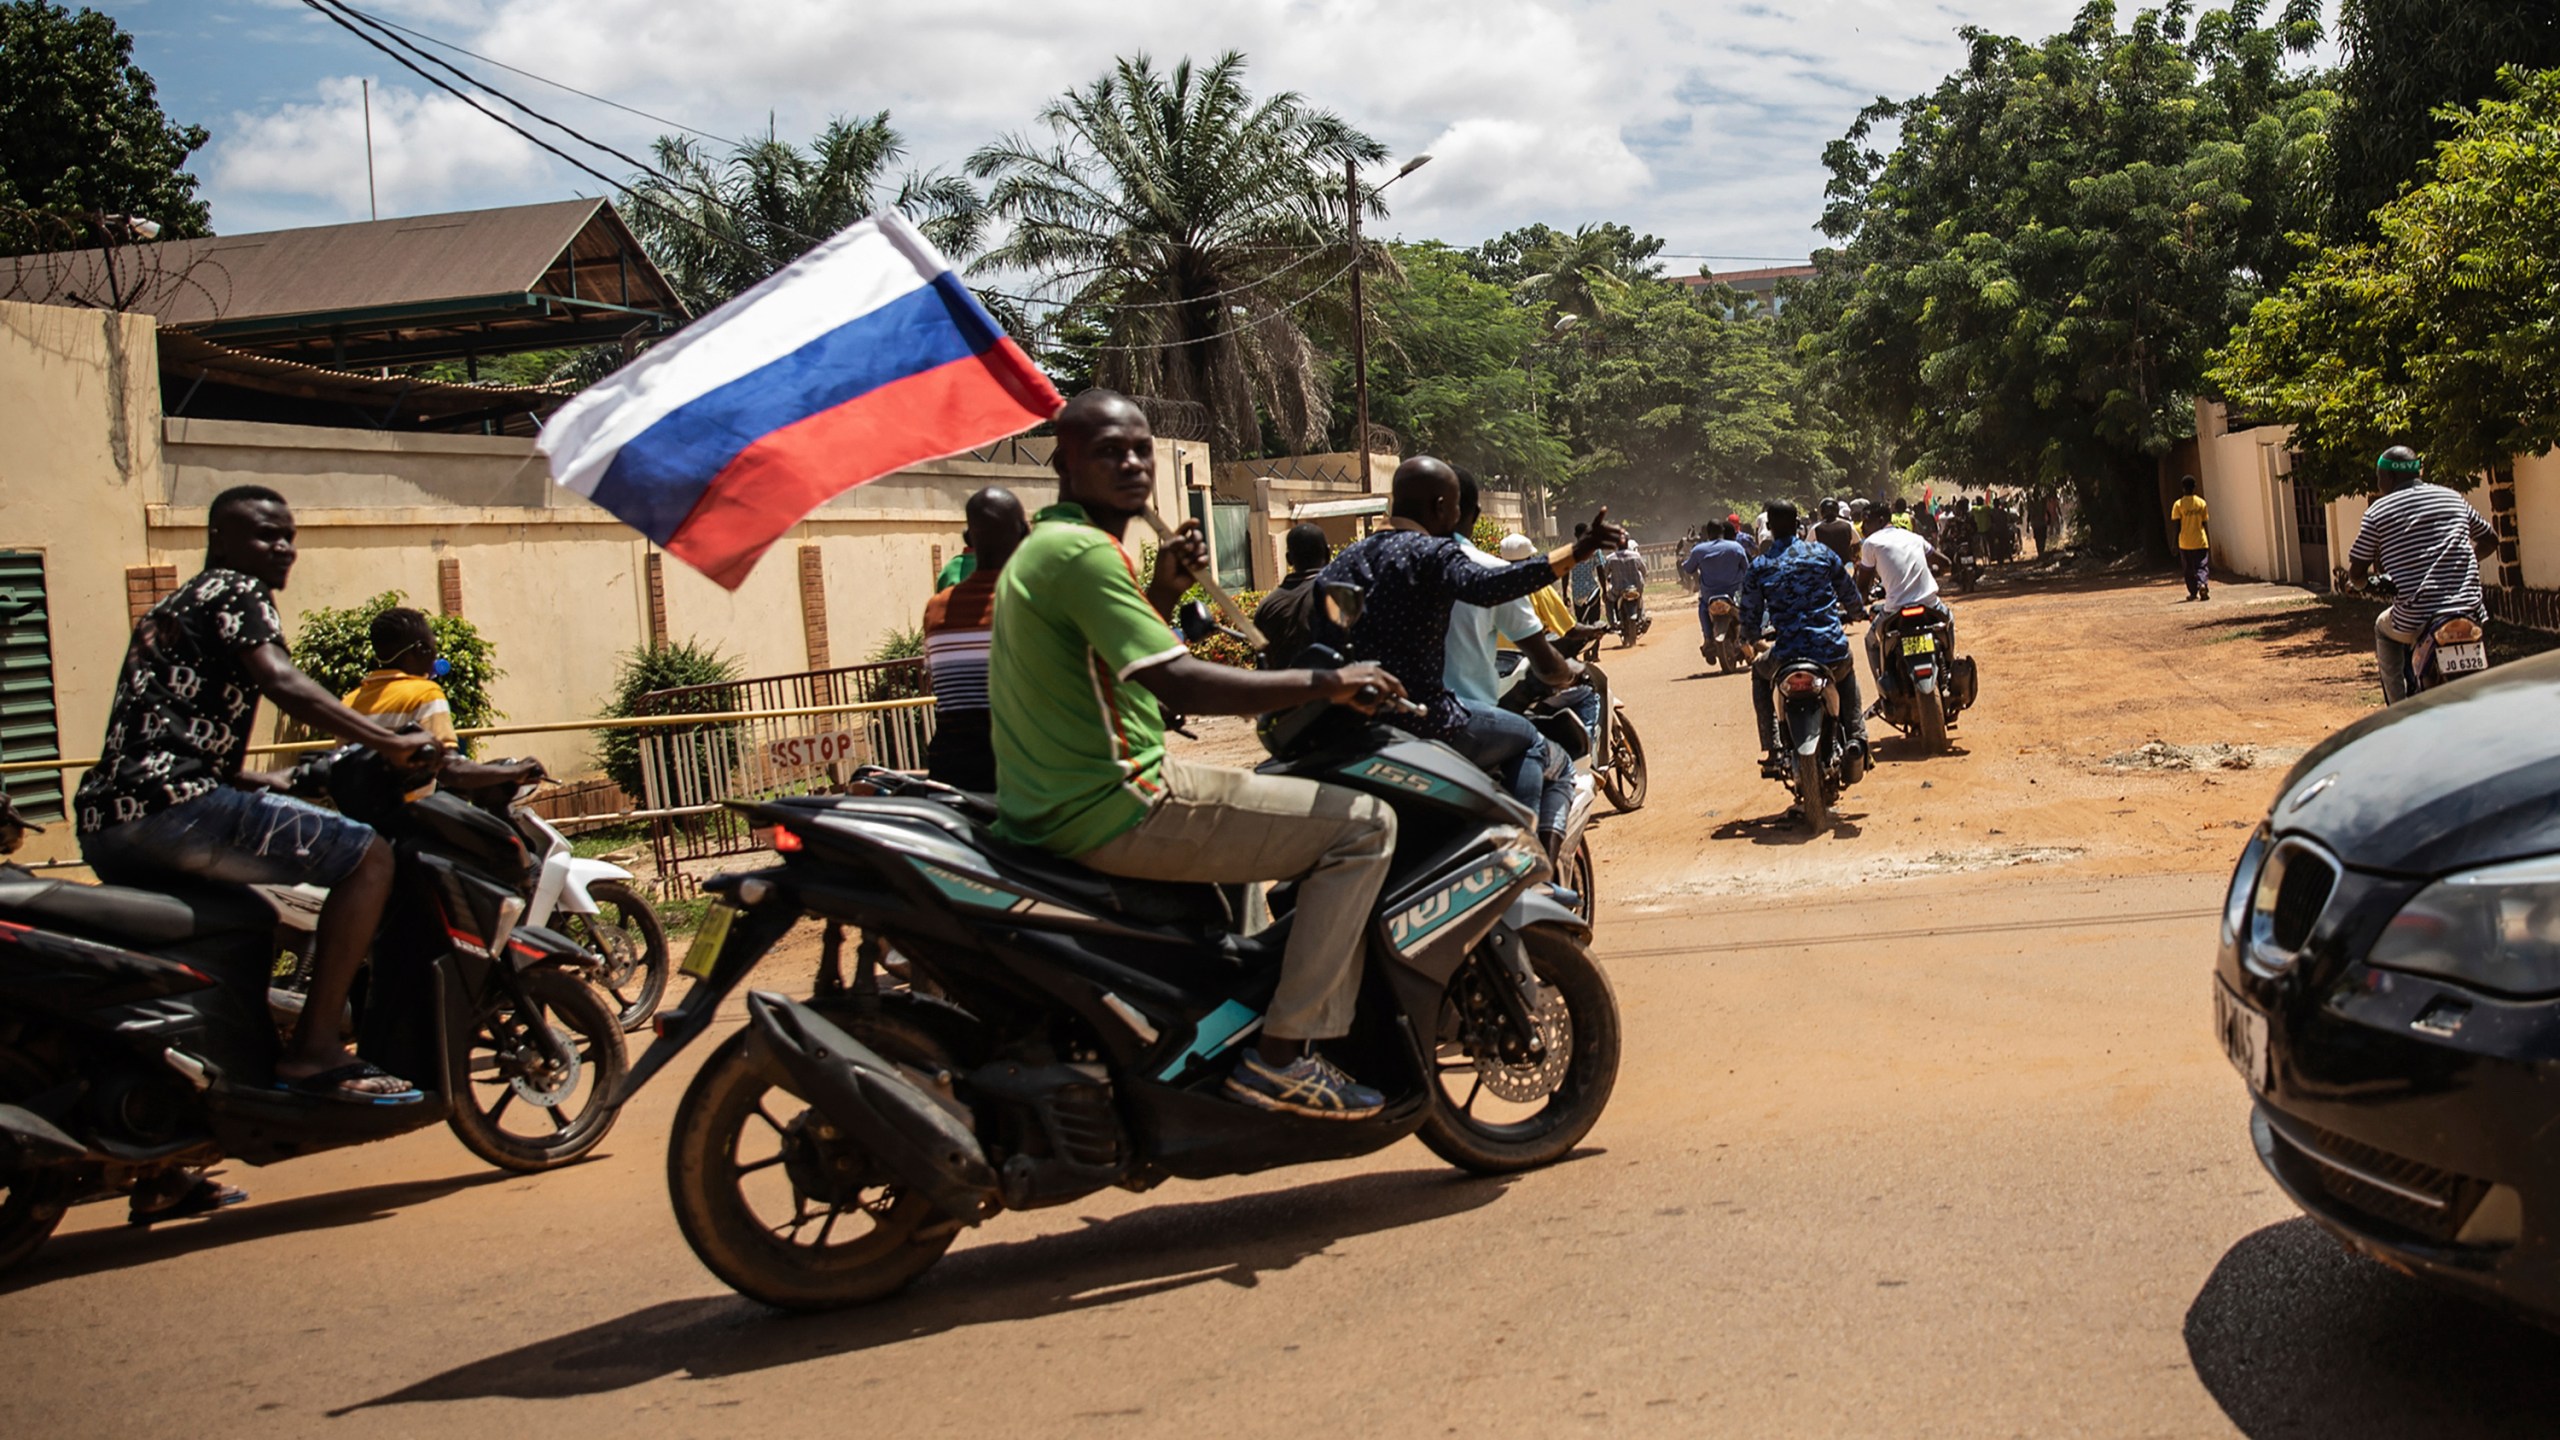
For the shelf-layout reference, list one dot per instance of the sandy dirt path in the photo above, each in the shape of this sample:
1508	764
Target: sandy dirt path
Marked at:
1921	1131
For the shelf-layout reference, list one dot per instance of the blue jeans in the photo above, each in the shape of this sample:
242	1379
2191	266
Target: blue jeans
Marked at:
232	837
1520	758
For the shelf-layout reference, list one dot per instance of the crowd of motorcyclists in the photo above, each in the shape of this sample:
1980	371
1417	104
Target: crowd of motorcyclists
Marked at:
1056	662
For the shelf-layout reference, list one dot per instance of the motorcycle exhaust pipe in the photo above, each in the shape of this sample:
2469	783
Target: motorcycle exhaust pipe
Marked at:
909	1132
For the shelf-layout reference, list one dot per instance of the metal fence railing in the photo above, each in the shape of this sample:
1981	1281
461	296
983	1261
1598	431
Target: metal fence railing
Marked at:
799	734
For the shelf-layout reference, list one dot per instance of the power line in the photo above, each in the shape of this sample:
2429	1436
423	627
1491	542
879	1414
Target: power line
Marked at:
374	19
329	9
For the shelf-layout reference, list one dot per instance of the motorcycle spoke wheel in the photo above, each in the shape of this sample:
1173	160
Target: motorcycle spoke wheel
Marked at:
780	1206
1494	1111
630	947
513	1105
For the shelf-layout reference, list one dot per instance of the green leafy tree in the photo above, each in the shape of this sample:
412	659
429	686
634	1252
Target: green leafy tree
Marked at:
2040	266
2445	331
1191	225
717	224
2406	60
676	665
84	148
1575	273
1451	368
335	648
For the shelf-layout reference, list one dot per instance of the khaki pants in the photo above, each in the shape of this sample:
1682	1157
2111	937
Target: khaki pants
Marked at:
1222	826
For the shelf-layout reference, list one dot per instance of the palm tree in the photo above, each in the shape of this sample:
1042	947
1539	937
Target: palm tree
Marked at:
1191	226
717	226
1576	272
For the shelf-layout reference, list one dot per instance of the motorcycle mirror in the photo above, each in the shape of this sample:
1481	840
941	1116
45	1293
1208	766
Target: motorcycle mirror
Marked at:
1193	618
1343	602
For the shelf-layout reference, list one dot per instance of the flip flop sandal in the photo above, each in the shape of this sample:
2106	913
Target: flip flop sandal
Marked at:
331	1085
202	1198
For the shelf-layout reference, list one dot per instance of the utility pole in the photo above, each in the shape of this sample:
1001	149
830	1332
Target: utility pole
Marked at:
370	202
1359	323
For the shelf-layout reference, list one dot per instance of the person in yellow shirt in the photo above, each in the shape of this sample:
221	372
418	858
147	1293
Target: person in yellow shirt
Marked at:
2195	550
401	690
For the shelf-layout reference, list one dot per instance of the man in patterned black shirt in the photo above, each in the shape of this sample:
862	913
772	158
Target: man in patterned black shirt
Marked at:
1410	575
1806	595
168	799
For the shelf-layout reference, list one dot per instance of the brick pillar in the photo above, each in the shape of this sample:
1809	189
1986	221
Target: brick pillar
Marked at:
2502	518
657	579
813	605
145	586
449	586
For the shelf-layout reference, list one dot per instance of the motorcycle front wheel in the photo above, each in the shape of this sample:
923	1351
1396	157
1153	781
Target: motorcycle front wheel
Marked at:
1625	780
630	946
516	1107
1495	1113
780	1206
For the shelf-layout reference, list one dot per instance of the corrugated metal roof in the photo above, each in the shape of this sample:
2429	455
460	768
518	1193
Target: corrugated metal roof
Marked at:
464	276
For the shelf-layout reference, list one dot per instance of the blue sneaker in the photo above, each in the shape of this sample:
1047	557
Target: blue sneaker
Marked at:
1310	1085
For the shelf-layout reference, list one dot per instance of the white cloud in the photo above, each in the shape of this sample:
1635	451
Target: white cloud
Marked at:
1703	122
431	152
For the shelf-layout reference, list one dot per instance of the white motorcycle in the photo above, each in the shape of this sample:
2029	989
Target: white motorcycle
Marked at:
593	902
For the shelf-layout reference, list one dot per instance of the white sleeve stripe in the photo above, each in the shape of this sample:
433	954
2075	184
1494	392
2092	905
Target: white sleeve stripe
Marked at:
1150	661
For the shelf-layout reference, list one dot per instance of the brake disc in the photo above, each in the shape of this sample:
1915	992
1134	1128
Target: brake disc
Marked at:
542	1082
1535	1079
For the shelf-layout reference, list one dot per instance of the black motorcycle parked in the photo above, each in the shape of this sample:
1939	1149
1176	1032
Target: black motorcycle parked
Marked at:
1066	1031
1923	684
1813	739
135	1036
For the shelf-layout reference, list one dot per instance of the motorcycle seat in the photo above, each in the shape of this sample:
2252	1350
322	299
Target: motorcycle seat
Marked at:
1149	902
136	917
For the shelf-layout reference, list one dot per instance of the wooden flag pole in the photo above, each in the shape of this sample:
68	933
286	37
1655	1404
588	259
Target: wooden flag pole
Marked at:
1218	595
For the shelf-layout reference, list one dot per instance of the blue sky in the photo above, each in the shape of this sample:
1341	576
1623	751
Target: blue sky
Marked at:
1702	122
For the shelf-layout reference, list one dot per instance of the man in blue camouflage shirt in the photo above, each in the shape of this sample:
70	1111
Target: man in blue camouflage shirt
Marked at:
1805	592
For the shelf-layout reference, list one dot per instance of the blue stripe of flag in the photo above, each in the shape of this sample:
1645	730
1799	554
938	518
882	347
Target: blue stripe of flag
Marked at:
659	475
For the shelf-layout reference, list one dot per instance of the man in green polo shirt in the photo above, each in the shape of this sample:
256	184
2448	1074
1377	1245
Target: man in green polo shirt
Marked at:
1081	657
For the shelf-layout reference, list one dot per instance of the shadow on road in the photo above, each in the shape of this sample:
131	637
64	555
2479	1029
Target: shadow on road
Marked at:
2294	1336
91	1252
1786	827
1234	1241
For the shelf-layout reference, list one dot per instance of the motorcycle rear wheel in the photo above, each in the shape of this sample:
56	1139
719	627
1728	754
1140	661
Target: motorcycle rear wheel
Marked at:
498	1070
1484	1142
724	1199
1624	781
32	1199
1933	721
1809	795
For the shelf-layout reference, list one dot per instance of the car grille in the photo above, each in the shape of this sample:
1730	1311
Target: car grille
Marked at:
2292	890
2403	1193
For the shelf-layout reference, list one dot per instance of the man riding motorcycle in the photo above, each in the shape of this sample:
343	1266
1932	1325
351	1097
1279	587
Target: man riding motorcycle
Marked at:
1801	591
1904	563
2430	542
1080	657
1716	563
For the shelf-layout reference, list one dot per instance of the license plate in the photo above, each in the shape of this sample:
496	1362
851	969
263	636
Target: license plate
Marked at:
2244	1036
2457	659
1919	644
707	942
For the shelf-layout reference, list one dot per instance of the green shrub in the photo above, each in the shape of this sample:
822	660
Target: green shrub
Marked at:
335	649
650	668
1220	648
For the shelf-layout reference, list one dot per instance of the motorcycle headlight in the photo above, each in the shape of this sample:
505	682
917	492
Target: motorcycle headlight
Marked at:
2497	928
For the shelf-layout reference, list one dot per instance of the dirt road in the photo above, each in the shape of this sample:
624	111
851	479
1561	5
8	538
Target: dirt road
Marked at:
1921	1131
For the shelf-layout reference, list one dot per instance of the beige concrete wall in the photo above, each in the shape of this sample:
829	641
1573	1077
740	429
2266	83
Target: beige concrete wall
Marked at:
80	410
2538	519
2235	472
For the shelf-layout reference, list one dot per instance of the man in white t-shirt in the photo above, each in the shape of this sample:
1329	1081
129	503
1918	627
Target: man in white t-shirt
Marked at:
1906	566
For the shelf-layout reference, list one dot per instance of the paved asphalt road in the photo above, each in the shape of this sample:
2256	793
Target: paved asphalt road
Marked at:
1953	1155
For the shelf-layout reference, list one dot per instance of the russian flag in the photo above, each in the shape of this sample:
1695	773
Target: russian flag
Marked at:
862	357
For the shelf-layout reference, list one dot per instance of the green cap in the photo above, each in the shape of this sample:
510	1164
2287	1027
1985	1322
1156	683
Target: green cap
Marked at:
2397	461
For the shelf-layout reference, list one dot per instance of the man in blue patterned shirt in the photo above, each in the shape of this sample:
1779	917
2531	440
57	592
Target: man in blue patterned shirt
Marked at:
1805	593
1411	575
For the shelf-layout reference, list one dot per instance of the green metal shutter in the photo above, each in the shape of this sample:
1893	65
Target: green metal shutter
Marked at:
26	686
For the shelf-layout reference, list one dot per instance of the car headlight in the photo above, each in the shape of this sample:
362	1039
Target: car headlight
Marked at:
2497	928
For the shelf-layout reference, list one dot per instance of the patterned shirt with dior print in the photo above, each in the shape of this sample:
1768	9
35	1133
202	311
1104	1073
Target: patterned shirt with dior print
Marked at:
180	724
